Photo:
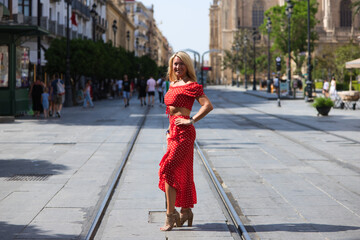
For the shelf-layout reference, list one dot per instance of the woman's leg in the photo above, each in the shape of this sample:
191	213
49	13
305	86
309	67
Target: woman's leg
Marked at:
170	198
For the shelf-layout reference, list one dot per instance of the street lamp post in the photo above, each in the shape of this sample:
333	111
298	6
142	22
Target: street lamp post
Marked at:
68	92
93	14
245	76
255	35
268	27
128	39
114	27
309	80
237	48
289	8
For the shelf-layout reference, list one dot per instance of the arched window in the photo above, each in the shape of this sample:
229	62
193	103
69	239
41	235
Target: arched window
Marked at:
345	13
257	13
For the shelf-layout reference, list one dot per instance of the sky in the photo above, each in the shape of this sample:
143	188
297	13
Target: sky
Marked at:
184	23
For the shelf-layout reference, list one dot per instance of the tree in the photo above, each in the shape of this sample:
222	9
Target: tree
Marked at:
97	60
234	59
298	28
356	7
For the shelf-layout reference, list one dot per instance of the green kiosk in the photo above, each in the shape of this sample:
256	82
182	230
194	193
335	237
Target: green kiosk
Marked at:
14	67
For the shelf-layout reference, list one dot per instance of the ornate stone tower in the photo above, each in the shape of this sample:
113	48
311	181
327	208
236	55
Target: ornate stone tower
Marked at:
336	26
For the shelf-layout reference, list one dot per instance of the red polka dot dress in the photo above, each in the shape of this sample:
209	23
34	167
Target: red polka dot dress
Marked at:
176	166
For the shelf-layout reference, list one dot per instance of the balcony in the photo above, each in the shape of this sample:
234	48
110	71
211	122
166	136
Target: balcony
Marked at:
81	9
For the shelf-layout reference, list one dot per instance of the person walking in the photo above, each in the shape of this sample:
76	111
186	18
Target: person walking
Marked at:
87	95
151	84
159	84
142	90
332	91
35	92
45	102
126	90
57	91
325	89
119	85
176	167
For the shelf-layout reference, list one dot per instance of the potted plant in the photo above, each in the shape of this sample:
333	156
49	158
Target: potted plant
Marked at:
323	105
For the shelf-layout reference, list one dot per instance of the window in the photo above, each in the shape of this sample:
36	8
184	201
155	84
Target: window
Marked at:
257	13
25	7
4	66
22	67
345	13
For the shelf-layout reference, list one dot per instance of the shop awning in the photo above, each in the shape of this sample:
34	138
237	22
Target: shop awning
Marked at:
22	30
353	64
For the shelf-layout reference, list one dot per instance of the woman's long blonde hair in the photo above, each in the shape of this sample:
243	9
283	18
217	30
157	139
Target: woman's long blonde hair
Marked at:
188	63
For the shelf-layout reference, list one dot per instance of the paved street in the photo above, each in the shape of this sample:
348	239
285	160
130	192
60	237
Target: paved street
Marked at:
291	174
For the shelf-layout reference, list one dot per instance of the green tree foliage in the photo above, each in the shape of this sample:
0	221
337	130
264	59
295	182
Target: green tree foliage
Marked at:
234	59
298	29
332	61
98	60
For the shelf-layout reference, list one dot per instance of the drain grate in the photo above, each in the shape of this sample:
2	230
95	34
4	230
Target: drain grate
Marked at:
29	177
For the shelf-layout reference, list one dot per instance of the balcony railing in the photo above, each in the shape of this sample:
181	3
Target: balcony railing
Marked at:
81	8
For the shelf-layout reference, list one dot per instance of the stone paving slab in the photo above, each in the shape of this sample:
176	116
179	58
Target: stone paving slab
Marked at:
295	183
77	156
138	208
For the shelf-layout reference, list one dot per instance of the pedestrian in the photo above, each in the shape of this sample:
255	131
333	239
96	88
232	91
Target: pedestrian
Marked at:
126	90
176	167
142	90
57	91
119	85
87	95
165	86
325	89
45	101
332	91
35	92
160	90
151	84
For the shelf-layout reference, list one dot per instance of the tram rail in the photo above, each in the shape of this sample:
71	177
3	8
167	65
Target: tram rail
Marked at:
97	221
110	192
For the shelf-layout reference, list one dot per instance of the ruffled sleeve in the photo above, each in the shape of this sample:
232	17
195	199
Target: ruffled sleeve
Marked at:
195	90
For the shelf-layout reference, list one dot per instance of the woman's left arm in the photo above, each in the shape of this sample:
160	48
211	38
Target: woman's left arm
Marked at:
206	107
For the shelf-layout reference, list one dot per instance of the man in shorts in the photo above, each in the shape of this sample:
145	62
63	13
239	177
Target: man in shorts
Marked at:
57	98
126	90
150	89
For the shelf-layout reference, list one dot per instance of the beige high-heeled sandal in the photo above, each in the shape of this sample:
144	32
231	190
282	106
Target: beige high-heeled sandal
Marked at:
186	215
170	221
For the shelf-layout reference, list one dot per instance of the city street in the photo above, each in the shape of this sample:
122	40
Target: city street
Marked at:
289	173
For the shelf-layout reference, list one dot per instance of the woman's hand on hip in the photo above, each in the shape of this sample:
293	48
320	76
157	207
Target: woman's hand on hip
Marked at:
182	121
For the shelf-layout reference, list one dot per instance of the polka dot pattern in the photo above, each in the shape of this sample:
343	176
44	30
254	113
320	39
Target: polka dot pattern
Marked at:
176	166
183	95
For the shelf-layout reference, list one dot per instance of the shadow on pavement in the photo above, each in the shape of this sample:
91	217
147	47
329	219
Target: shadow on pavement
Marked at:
29	167
9	231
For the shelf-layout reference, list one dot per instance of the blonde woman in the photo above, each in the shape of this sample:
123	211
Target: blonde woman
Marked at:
176	167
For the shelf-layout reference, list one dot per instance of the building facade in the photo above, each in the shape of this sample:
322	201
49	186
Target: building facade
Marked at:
148	39
336	26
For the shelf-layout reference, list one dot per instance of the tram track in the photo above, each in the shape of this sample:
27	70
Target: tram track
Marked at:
91	233
231	214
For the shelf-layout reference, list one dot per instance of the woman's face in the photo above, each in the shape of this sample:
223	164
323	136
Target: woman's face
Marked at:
179	68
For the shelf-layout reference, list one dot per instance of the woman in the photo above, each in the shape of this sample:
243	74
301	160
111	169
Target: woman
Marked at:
333	89
87	96
176	166
35	92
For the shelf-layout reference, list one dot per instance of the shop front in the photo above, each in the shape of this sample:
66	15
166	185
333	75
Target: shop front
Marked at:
15	74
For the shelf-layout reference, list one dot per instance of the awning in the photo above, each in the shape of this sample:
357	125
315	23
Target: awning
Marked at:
23	30
353	64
